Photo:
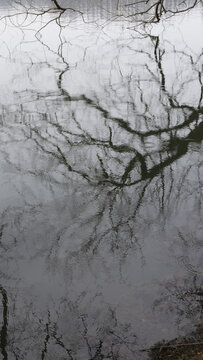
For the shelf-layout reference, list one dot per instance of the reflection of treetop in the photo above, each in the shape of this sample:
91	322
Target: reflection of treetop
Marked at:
144	10
147	120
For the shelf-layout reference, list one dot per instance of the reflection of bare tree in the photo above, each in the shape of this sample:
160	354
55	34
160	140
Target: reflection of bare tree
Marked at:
3	332
156	9
64	332
185	298
93	170
135	147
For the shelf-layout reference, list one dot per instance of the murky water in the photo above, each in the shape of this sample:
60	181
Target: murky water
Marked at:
100	184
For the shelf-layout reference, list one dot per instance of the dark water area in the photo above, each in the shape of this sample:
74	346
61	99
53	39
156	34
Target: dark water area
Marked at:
101	128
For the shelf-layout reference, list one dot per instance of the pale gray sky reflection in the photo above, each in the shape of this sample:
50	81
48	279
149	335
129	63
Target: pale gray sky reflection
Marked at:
100	179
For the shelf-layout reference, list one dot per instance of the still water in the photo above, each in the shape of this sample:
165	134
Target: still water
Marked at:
101	241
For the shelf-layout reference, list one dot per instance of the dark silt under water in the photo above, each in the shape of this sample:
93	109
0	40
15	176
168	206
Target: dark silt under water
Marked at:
101	128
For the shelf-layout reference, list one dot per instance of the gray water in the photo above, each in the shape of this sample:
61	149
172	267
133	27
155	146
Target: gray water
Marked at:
100	179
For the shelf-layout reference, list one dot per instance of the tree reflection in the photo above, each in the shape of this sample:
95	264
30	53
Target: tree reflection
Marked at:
3	333
157	9
186	298
185	301
94	167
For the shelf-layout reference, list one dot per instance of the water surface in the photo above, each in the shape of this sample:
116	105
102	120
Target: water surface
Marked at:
100	181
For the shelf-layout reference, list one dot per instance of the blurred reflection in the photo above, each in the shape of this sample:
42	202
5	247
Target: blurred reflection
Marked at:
101	133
